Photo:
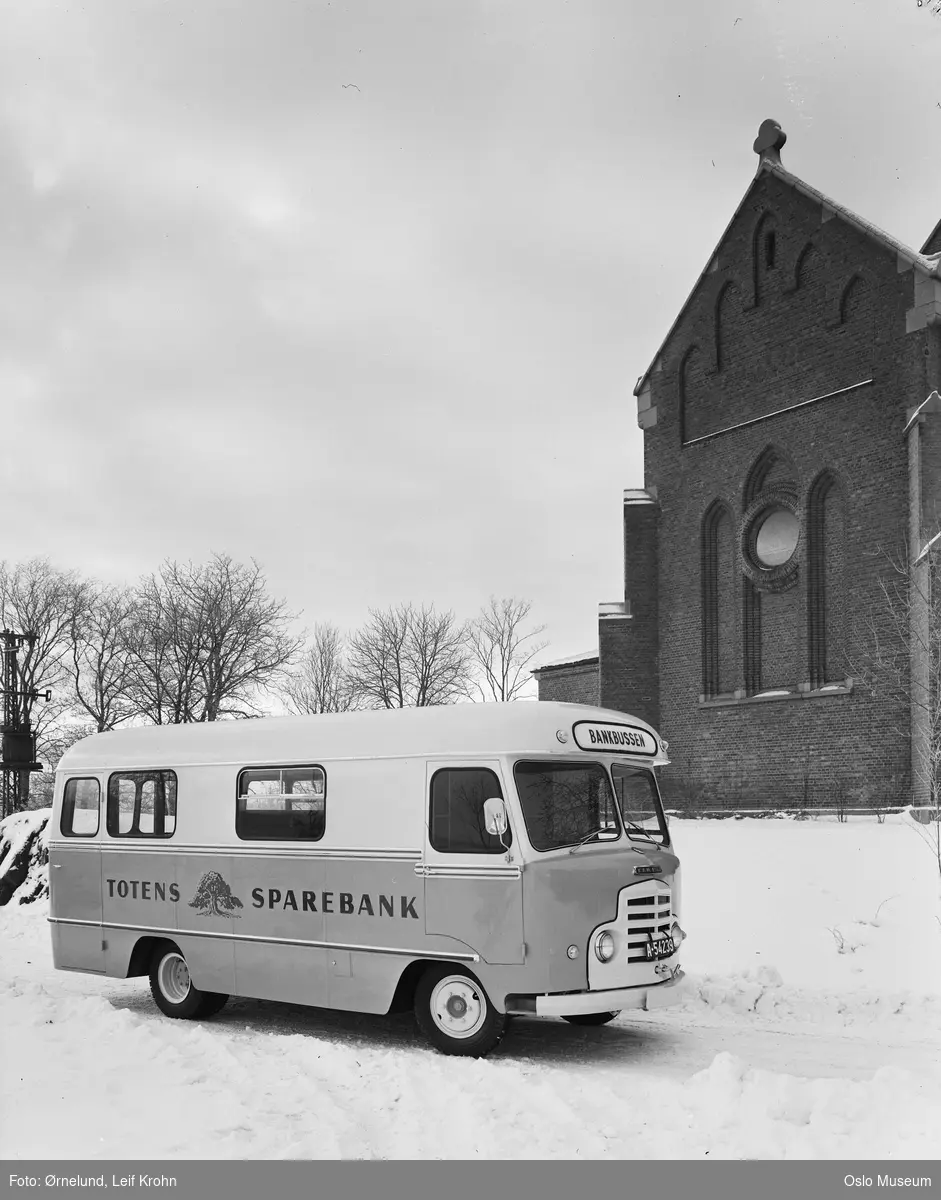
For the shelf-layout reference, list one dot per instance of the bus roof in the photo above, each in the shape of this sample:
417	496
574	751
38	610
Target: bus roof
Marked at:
472	730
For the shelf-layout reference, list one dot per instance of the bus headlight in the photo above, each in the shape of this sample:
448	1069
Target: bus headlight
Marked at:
677	934
604	947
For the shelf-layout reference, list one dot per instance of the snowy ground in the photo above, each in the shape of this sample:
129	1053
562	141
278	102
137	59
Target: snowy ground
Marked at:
811	1028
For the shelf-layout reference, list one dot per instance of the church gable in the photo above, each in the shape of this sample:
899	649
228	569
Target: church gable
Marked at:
785	315
797	303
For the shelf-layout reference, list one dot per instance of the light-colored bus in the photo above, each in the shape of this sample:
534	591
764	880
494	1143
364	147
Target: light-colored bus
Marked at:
470	862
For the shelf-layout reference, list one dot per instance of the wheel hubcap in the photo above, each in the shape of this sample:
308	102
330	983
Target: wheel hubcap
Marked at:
458	1007
174	978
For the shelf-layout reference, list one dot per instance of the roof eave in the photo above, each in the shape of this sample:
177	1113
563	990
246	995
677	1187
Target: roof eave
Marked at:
929	264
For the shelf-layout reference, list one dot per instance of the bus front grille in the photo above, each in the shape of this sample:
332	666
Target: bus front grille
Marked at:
649	916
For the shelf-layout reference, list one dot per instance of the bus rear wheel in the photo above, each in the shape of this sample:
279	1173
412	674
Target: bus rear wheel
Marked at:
590	1018
454	1013
173	990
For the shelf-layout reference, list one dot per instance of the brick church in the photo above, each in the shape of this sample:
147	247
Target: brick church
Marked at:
792	476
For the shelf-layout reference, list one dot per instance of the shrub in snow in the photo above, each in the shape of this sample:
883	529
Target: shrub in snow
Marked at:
24	856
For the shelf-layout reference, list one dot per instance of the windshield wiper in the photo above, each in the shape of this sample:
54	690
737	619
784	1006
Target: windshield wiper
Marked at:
594	833
639	829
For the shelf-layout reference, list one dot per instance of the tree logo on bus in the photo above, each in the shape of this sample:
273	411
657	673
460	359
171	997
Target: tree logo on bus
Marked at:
214	897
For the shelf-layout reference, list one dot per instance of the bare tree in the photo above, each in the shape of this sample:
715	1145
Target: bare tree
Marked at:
408	657
898	655
502	650
162	652
320	683
206	640
904	627
55	743
37	598
100	656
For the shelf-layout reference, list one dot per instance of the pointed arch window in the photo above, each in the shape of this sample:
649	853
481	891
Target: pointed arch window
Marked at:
764	256
770	549
751	621
825	565
718	602
772	467
853	298
810	268
728	315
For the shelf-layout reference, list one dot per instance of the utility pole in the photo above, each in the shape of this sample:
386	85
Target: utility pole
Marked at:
19	741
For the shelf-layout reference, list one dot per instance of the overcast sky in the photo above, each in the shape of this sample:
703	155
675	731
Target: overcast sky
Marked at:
362	290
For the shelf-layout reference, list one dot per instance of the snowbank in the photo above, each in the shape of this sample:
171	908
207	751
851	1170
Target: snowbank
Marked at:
891	1115
841	908
24	856
762	991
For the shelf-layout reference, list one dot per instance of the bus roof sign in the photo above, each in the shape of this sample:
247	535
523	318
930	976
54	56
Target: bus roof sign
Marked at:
613	738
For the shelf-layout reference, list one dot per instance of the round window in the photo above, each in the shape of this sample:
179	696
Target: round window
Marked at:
776	537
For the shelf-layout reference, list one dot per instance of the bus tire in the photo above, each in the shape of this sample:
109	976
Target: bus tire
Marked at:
591	1018
174	992
454	1013
213	1002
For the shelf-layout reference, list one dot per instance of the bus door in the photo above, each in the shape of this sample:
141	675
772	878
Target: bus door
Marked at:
75	879
472	893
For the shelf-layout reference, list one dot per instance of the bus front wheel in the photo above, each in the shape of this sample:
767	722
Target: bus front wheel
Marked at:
454	1013
590	1018
173	990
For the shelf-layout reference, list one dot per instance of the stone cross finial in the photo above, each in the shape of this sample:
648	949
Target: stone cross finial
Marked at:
771	137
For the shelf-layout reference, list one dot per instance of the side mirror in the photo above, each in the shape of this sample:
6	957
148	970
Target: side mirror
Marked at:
495	816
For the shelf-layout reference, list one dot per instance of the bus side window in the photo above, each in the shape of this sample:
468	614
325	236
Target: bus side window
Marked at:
281	804
456	823
80	804
142	804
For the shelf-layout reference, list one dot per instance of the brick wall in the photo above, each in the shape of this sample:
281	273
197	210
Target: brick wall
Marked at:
628	644
576	684
755	340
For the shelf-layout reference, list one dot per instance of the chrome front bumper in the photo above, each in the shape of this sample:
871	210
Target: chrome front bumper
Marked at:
571	1004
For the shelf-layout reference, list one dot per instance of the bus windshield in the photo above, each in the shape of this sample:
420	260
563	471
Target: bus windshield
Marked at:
639	802
565	803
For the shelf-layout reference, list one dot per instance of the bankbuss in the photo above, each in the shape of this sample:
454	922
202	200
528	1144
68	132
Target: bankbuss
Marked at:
469	862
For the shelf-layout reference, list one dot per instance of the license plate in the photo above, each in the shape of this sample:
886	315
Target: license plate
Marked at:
661	948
